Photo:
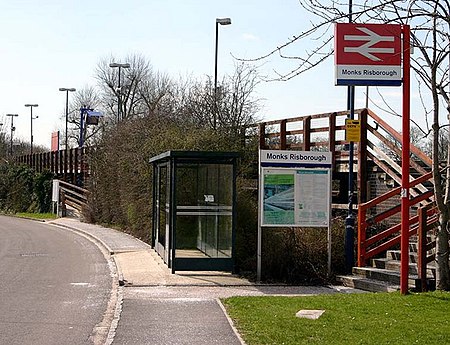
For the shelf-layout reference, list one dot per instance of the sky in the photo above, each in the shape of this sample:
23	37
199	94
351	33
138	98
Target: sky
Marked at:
49	44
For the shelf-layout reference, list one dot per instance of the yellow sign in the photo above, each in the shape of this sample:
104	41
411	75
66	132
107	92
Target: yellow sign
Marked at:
352	130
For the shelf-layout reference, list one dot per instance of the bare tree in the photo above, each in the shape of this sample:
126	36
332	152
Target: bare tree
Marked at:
233	106
141	90
430	34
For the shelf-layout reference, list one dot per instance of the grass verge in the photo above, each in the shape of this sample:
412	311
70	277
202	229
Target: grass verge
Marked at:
40	216
369	318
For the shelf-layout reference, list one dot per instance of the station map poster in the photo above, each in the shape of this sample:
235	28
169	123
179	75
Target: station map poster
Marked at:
296	197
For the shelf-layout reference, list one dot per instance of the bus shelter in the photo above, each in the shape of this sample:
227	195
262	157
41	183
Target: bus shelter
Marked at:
194	209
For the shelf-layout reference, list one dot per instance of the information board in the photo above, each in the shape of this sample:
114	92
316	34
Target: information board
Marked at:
296	197
294	190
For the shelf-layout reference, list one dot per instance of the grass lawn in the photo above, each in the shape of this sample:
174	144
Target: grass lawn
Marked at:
42	216
368	318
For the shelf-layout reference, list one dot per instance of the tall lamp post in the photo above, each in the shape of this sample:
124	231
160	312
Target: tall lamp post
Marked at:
119	98
221	21
1	129
12	131
31	106
67	90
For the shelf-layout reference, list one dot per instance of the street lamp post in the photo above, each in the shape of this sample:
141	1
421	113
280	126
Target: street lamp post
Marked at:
12	131
1	129
221	21
31	106
67	90
119	98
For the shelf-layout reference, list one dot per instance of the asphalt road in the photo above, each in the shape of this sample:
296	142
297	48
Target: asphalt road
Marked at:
54	285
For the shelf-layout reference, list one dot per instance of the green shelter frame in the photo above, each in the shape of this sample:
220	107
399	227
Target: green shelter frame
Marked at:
194	209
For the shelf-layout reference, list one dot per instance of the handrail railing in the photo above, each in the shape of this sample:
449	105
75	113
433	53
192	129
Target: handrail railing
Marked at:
73	196
428	220
368	247
69	165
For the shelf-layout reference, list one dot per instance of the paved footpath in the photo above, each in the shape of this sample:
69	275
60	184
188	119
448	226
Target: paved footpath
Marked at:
150	305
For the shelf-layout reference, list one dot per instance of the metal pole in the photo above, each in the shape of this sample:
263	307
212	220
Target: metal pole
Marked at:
259	235
350	220
67	115
367	97
80	143
11	139
12	131
67	112
215	78
119	98
221	21
31	106
31	146
404	242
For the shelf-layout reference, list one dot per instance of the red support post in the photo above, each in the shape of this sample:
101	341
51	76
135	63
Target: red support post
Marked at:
404	242
361	245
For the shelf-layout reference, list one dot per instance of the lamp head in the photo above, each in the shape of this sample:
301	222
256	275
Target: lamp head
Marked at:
116	64
223	21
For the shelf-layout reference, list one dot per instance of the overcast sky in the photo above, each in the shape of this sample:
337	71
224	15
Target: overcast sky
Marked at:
48	44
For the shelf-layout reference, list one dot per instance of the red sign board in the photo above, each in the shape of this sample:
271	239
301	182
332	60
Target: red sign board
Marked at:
368	54
55	141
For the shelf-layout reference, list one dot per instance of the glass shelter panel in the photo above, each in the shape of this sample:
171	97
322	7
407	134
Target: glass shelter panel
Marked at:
204	201
162	192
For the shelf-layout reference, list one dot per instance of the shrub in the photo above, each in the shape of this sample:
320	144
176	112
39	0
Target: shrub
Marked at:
300	255
121	195
24	190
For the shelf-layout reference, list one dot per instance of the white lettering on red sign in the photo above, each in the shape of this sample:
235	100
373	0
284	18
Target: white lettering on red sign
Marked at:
368	54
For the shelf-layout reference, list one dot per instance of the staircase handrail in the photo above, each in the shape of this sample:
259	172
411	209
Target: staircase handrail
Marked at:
397	136
428	220
73	195
395	191
364	253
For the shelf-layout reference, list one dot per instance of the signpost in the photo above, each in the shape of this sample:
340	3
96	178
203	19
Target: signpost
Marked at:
295	190
371	54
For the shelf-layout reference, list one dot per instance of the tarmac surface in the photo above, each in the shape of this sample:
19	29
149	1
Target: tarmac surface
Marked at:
150	305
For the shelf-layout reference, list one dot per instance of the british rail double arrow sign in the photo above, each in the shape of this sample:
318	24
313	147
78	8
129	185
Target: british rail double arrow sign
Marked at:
368	54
